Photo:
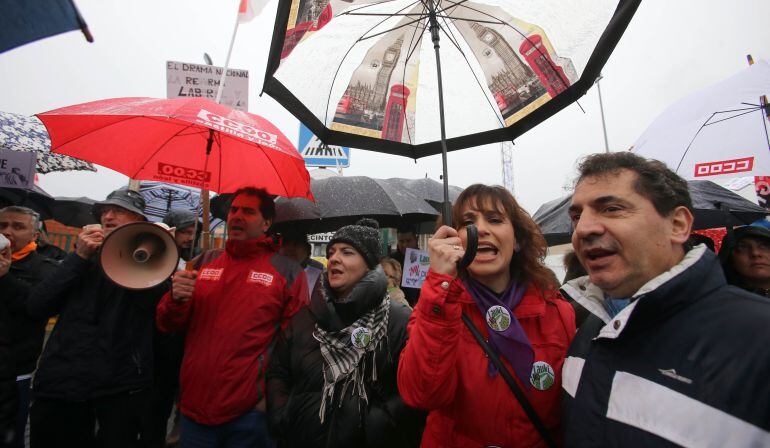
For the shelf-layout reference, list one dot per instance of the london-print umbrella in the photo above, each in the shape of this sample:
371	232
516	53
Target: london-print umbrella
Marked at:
369	73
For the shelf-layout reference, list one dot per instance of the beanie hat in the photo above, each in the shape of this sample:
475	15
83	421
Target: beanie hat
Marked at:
181	219
364	236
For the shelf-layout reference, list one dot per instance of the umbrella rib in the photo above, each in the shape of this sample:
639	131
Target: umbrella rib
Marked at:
219	138
684	154
732	116
406	62
339	66
367	6
380	14
462	19
478	82
363	38
538	49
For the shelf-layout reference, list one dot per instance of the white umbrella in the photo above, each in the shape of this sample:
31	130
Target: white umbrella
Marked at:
721	130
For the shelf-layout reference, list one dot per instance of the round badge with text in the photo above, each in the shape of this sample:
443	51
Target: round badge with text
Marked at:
498	318
542	376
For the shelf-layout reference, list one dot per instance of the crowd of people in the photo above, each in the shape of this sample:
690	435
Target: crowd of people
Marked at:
651	340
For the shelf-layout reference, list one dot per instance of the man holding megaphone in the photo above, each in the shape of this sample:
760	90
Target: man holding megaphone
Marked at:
97	365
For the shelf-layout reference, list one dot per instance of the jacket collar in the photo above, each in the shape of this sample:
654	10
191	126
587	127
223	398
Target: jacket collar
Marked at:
665	294
531	305
332	315
251	247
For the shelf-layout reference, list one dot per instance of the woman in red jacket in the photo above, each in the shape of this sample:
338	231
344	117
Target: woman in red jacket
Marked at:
511	298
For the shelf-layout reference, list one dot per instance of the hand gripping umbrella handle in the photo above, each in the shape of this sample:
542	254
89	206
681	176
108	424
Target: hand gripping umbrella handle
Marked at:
472	245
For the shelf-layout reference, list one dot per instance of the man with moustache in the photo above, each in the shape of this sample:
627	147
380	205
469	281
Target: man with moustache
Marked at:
26	268
232	305
97	365
671	354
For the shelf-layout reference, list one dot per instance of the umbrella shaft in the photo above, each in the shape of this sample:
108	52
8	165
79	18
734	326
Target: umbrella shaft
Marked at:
434	33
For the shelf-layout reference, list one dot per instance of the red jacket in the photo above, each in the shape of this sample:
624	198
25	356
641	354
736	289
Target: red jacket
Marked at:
444	370
240	300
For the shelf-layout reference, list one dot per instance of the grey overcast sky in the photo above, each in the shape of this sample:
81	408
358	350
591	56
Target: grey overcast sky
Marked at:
671	49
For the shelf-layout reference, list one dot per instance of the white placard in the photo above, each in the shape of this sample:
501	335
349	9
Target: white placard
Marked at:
184	79
17	169
416	264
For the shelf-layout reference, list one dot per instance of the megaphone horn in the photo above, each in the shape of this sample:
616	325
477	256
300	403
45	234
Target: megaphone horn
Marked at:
139	255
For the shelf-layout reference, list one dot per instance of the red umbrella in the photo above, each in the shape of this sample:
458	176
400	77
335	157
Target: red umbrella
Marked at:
191	141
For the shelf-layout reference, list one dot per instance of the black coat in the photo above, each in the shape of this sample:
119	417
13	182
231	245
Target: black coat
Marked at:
26	333
295	380
690	363
8	390
103	340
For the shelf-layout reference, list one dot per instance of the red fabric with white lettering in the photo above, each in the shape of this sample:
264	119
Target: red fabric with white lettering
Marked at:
240	300
165	140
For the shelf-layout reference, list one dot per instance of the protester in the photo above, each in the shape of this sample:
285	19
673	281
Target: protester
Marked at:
186	231
332	380
406	237
97	366
169	347
392	271
671	355
745	258
232	305
9	394
46	248
508	295
295	246
574	270
19	225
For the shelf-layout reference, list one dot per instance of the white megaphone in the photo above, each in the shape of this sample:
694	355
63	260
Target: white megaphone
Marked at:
139	255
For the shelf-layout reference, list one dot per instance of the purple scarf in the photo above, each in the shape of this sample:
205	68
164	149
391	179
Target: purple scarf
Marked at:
512	343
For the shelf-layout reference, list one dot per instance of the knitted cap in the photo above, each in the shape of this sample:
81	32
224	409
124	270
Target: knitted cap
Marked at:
364	236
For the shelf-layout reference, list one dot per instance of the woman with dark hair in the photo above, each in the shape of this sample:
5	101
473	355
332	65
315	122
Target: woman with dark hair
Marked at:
509	297
332	378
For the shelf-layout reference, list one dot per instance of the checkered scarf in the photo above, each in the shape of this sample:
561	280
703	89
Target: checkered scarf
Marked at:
343	360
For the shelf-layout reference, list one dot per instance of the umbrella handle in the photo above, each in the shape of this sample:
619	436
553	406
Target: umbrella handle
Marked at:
472	245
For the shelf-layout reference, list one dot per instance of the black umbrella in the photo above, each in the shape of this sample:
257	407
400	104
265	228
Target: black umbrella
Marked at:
427	189
713	206
25	21
341	201
74	212
35	198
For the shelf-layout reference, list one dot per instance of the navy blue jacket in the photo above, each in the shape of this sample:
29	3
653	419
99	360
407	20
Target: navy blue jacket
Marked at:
687	363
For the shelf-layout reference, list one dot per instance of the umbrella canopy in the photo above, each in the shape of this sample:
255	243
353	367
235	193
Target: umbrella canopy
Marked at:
22	133
344	200
23	21
161	197
721	130
190	141
427	189
507	66
35	198
74	212
713	206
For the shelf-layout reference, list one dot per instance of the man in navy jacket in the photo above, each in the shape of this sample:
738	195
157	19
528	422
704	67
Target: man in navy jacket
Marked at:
671	354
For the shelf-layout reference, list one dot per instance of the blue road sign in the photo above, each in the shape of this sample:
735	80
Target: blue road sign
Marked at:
316	153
